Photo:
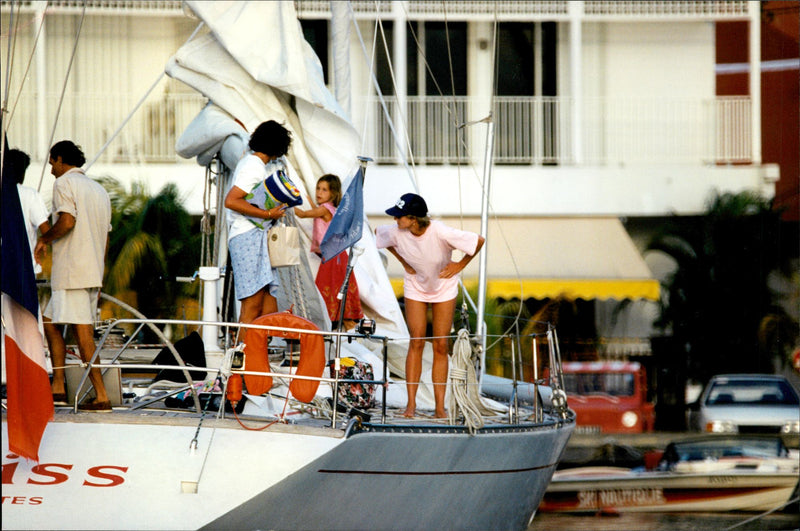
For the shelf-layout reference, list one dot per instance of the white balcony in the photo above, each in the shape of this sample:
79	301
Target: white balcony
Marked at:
90	119
529	130
538	131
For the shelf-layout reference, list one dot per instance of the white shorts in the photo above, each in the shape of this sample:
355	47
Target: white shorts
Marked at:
73	306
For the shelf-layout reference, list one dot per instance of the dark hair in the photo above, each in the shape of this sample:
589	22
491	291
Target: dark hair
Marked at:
18	161
334	185
271	138
70	153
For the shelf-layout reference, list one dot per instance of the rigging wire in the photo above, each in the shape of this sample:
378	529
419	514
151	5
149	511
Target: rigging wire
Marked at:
453	111
379	93
11	46
24	76
64	89
462	143
408	153
496	56
371	63
138	104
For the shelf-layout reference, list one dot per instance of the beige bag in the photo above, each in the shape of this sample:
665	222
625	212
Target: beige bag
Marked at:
284	246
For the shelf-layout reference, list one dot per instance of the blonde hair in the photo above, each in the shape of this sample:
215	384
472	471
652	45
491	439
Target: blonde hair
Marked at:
422	221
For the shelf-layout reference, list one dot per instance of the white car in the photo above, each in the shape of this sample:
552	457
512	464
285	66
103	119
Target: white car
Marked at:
746	403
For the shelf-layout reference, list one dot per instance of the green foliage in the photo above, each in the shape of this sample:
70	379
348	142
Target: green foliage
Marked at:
718	295
152	239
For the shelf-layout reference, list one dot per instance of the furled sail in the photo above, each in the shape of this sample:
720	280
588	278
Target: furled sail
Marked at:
254	65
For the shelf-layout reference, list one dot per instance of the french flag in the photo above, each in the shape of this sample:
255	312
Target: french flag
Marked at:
30	402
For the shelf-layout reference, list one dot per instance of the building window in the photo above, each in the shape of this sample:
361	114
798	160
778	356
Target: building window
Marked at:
526	114
445	44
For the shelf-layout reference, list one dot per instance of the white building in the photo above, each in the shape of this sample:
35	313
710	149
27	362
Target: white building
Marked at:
602	110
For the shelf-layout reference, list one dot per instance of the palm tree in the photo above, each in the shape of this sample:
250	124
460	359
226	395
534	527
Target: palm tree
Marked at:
151	242
718	295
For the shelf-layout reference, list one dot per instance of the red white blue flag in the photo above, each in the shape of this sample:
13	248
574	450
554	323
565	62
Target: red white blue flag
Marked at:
30	402
348	221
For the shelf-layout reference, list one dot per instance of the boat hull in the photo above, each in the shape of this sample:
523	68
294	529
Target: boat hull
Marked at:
132	473
665	491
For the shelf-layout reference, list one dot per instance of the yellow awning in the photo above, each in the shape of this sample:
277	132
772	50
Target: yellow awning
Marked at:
576	258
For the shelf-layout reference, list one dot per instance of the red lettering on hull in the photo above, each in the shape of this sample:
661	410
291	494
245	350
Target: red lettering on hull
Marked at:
58	473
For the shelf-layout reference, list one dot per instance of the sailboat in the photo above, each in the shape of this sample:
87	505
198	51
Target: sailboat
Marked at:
172	455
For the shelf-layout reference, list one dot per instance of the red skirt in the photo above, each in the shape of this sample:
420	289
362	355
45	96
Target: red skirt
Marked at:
329	281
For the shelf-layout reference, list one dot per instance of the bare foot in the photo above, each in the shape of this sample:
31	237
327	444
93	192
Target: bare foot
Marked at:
410	413
440	414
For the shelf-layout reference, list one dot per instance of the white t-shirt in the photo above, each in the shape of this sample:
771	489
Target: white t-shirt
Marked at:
428	254
79	256
248	173
35	213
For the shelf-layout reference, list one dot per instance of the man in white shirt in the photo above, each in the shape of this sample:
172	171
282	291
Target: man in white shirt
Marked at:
79	238
34	210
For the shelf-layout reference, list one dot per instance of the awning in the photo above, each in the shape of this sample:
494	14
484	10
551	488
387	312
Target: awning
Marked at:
571	257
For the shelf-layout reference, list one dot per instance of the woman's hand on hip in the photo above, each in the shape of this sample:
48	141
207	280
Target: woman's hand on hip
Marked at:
450	270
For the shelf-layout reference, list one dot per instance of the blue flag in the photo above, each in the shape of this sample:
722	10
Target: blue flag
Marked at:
348	221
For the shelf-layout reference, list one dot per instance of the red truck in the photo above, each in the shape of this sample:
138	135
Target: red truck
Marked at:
609	396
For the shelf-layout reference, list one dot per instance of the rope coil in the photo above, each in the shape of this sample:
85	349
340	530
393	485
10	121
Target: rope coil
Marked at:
464	394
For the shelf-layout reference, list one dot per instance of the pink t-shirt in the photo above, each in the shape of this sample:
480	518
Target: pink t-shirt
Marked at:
320	228
428	254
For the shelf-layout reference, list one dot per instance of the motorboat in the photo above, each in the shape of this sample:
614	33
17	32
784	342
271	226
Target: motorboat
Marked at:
707	474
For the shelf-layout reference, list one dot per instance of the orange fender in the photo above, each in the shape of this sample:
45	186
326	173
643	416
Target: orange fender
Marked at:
312	354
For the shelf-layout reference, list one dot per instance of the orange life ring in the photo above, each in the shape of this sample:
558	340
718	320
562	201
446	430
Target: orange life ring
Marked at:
312	354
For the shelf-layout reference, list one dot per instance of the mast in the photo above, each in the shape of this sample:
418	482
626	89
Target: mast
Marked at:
487	177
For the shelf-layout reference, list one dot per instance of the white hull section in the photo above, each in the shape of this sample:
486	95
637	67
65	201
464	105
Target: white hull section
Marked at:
123	476
132	472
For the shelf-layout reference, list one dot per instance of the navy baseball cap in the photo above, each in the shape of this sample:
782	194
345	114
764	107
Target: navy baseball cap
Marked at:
409	205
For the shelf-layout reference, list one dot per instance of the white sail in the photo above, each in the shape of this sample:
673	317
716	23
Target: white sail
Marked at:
278	76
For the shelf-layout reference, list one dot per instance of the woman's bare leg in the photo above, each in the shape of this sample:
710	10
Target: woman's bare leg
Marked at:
442	323
417	320
269	304
250	310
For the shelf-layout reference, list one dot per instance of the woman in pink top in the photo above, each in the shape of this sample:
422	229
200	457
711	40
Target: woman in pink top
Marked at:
424	248
330	275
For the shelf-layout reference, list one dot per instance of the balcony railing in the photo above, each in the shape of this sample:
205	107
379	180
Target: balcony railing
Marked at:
528	130
91	119
538	130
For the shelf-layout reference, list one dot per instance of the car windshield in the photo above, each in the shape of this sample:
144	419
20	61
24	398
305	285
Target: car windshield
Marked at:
592	383
738	392
723	447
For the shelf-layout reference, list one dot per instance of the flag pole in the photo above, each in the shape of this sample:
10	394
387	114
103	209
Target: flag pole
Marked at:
342	296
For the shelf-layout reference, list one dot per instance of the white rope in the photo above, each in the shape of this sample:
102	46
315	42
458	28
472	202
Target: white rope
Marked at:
464	396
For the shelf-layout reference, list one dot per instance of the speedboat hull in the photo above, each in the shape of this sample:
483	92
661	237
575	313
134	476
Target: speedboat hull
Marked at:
606	489
122	471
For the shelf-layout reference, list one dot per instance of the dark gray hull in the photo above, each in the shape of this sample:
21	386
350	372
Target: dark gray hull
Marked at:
414	478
